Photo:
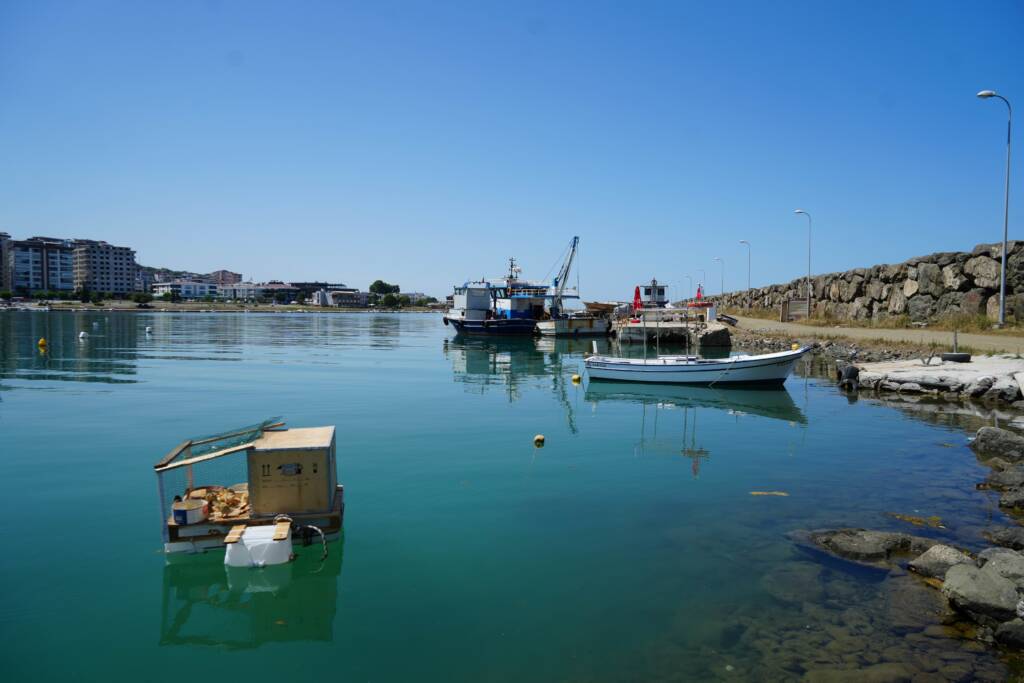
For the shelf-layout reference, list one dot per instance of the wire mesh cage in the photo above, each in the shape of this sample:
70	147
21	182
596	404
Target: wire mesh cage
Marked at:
221	481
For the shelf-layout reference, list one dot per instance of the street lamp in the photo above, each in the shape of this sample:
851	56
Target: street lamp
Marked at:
748	262
703	278
986	94
689	289
721	286
808	259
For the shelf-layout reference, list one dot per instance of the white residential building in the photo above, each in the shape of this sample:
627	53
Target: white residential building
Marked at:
186	289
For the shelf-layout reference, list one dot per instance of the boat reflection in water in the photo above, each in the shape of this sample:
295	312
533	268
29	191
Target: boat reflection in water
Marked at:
515	364
238	608
774	403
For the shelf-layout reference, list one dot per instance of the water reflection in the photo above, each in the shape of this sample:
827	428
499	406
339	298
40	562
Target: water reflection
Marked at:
682	432
105	355
206	603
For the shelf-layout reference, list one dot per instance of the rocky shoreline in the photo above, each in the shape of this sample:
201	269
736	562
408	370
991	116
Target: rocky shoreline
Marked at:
977	597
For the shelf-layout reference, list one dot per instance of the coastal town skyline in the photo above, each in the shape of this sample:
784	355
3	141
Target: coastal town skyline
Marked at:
290	145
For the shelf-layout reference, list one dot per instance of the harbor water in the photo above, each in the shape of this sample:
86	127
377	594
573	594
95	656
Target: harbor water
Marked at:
628	548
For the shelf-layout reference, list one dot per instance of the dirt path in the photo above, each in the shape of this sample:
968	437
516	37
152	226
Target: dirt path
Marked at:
979	342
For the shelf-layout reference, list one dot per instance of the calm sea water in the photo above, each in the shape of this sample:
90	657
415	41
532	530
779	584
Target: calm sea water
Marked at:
628	548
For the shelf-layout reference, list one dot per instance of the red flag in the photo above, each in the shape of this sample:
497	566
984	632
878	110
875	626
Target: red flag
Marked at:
637	303
700	293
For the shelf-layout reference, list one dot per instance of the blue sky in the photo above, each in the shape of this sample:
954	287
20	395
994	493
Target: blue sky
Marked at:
425	143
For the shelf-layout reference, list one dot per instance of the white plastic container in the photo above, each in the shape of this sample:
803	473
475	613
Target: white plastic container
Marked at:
257	548
190	511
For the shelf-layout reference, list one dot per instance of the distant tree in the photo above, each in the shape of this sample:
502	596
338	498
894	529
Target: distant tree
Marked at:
6	295
404	300
97	298
380	287
389	301
142	297
281	297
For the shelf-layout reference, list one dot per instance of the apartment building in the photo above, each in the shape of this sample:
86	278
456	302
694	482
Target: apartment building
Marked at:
224	277
102	267
5	239
38	264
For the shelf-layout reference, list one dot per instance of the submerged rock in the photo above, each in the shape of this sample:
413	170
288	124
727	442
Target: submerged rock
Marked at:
1009	478
982	593
862	545
1011	633
938	559
1006	536
995	442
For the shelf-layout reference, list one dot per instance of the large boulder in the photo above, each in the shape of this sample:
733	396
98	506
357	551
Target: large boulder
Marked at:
1004	389
921	307
984	271
973	302
982	593
897	302
873	290
850	289
953	278
992	442
910	288
1007	563
977	387
938	559
948	303
929	279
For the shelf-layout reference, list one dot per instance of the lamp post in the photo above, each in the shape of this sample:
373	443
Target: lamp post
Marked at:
809	222
689	289
986	94
721	285
703	277
748	262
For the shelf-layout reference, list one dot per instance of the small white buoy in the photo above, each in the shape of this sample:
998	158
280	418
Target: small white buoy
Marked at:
83	335
149	330
538	441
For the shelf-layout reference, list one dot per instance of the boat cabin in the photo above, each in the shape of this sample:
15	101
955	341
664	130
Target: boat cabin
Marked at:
212	489
653	295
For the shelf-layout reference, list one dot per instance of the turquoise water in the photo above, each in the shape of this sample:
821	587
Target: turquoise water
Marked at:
628	548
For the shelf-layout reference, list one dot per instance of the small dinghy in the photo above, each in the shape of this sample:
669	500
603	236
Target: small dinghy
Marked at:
769	368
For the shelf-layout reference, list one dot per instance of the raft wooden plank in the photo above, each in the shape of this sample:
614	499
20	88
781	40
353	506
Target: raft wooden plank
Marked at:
281	530
175	452
300	438
235	535
204	458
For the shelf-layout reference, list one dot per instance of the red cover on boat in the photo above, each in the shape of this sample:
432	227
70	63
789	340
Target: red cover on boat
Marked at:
700	292
637	303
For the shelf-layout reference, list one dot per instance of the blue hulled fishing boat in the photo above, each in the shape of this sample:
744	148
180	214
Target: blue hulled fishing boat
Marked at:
509	305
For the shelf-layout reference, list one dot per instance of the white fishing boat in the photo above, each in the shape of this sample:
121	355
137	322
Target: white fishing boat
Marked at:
769	368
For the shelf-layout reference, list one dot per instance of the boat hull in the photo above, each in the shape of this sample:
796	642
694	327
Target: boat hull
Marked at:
761	370
574	327
514	326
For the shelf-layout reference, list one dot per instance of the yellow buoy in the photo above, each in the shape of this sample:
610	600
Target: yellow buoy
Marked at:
538	441
42	341
795	347
576	379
